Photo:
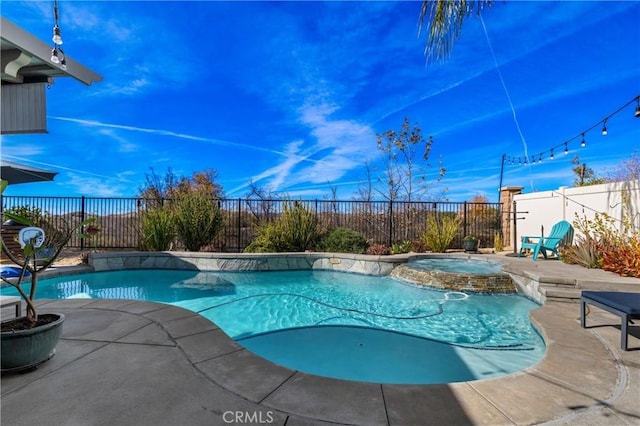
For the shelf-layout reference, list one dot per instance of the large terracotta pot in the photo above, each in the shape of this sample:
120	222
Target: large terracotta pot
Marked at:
25	349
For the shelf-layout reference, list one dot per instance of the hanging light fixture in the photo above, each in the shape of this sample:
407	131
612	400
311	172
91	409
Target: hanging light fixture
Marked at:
540	159
54	56
57	55
637	113
566	149
604	128
551	156
583	143
57	35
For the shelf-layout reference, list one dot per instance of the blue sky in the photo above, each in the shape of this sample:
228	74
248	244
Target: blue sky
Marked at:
290	95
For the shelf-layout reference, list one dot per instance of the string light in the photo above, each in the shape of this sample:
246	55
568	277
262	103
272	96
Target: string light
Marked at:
57	54
581	136
57	35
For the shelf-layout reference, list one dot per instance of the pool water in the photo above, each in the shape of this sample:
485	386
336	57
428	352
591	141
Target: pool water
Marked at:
340	325
458	265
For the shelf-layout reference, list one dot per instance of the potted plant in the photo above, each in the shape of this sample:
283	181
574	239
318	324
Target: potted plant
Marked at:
470	244
28	341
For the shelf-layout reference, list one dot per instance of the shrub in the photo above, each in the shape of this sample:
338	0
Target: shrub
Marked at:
157	229
601	245
343	240
623	260
584	252
401	247
295	230
33	214
418	246
498	244
267	240
440	232
378	250
299	227
197	219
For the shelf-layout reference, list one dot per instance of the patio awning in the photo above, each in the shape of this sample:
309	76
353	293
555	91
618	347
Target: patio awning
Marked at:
26	59
15	173
26	70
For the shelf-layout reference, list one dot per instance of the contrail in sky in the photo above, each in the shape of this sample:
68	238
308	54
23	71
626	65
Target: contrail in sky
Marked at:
504	86
171	134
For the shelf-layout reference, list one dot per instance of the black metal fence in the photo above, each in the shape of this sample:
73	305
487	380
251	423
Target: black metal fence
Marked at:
381	222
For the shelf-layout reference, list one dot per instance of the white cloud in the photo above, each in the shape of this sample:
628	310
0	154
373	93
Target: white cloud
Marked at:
94	186
123	144
20	150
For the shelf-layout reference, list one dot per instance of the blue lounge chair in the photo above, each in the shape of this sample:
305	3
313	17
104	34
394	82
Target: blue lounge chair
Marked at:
624	305
561	234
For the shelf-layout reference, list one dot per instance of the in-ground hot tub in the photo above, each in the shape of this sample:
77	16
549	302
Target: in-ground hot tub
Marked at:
456	273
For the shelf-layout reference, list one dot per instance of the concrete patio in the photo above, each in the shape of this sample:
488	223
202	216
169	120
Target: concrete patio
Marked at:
124	362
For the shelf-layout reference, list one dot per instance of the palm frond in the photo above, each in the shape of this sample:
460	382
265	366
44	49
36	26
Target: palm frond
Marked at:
444	20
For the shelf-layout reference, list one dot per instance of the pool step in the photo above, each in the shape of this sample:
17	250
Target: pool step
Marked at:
560	293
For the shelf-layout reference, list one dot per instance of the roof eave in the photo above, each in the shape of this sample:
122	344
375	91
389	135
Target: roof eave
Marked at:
33	46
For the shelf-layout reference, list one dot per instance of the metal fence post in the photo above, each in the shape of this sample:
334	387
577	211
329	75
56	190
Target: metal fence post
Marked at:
239	240
515	229
82	219
464	220
390	223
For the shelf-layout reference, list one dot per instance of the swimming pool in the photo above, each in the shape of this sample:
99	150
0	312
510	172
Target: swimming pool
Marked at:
339	325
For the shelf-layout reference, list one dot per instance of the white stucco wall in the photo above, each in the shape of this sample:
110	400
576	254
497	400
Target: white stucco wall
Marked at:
541	210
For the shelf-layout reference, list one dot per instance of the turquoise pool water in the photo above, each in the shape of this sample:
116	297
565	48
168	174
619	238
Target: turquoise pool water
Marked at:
339	325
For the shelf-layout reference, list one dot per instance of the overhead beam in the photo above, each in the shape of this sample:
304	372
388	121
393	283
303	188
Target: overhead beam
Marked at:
34	47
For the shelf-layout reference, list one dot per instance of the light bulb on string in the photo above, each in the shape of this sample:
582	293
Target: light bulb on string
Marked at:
537	158
57	35
54	56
